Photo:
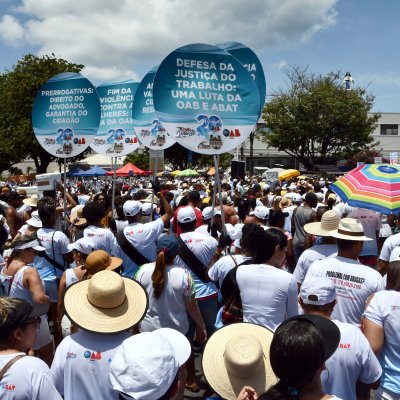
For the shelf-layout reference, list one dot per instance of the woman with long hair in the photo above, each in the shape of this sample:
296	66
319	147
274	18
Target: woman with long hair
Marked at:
298	352
22	281
382	328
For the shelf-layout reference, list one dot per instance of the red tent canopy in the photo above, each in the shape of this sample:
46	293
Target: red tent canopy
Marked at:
124	171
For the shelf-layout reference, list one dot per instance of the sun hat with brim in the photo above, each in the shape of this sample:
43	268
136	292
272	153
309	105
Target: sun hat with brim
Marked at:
106	303
328	330
23	312
237	355
76	217
31	201
100	260
349	229
329	221
35	220
84	245
33	244
145	365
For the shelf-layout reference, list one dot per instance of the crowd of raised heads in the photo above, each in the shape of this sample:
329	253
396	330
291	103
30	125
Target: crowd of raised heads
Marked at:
261	290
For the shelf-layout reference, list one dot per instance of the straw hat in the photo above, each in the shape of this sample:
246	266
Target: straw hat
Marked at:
106	303
349	229
76	217
238	355
31	201
329	222
100	260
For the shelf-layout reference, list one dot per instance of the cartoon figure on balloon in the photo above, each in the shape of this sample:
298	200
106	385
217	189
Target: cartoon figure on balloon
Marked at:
158	131
209	129
115	139
64	139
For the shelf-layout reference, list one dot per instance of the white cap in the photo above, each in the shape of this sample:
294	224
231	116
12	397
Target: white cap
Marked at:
317	291
145	365
33	244
35	220
296	198
132	207
261	212
146	208
395	254
236	232
207	213
84	245
186	214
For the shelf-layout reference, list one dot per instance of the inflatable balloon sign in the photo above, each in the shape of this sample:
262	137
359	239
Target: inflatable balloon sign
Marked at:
116	135
250	61
66	114
205	99
148	127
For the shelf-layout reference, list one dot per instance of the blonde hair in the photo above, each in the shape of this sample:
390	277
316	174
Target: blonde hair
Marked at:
8	307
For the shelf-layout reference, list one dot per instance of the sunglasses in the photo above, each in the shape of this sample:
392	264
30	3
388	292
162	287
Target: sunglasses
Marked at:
37	321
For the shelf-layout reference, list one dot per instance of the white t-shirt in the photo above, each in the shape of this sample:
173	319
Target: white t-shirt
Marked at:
219	270
390	243
203	247
81	365
353	360
143	238
315	253
354	283
384	310
169	310
371	223
269	294
56	244
203	229
103	238
28	379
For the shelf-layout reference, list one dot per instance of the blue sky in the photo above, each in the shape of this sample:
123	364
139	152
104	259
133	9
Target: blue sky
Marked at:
125	39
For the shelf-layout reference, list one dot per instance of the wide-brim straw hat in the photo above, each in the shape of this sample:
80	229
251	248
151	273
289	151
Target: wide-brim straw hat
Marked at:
106	303
329	222
76	217
31	201
236	356
350	229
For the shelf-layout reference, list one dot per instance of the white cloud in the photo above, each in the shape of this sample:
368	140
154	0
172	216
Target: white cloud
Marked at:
11	31
114	38
280	65
386	79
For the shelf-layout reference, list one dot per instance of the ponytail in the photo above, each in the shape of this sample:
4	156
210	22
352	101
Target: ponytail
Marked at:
158	275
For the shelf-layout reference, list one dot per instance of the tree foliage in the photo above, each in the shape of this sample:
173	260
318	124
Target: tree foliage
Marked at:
177	157
315	117
18	88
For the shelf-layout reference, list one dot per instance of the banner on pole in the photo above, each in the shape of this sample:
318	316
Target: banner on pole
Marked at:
393	158
153	155
66	114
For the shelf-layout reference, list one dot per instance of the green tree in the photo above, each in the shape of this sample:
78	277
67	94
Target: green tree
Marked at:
316	118
18	88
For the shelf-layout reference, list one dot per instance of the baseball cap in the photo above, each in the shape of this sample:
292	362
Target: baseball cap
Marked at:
317	291
146	208
208	213
33	244
261	212
84	245
186	214
296	198
132	207
275	216
145	365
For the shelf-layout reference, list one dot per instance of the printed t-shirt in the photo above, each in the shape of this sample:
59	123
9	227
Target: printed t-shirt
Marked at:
103	238
353	360
169	310
219	270
315	253
269	294
354	283
28	379
384	310
56	245
143	238
203	247
81	365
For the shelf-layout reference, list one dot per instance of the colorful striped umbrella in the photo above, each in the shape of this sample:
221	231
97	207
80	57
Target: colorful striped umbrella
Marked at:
372	186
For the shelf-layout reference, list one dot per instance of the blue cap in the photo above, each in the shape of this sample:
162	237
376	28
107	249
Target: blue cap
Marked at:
168	244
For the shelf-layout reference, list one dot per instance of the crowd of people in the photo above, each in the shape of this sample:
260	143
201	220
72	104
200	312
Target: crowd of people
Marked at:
286	291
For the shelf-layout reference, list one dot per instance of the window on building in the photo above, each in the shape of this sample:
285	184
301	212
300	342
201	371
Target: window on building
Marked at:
389	129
